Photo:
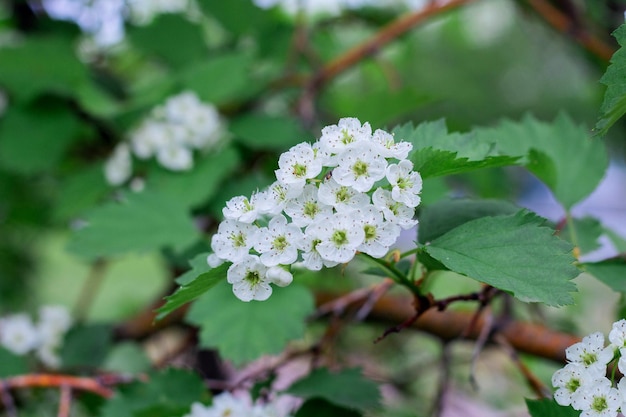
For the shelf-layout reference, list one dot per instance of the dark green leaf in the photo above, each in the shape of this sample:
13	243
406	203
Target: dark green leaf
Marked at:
127	357
201	183
434	163
441	217
236	16
194	283
12	364
166	393
549	408
142	222
246	331
80	191
35	138
172	38
316	407
86	346
612	272
268	132
514	253
614	104
347	388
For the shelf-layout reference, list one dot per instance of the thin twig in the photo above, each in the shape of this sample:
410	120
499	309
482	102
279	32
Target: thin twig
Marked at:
90	289
481	341
52	380
65	401
444	381
7	399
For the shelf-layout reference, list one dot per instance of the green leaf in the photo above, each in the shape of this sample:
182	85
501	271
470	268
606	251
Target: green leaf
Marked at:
347	388
246	331
316	407
141	222
195	282
172	38
587	231
86	345
268	132
12	364
127	357
549	408
560	153
199	185
514	253
612	272
434	163
207	78
441	217
166	393
35	138
614	104
41	65
80	191
236	16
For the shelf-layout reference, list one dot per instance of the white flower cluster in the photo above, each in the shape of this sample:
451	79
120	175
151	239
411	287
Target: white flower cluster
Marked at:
226	404
170	134
142	12
352	190
20	335
583	384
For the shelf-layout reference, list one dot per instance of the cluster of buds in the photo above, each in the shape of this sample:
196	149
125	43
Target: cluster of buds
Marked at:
351	191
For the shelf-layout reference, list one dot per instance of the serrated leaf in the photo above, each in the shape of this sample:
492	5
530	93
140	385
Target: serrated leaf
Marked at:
614	103
547	407
268	132
165	393
347	388
443	216
514	253
612	272
316	407
559	153
141	222
431	162
194	283
246	331
201	183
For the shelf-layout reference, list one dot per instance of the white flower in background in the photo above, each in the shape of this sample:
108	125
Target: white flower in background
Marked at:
337	138
360	167
234	240
378	234
297	165
118	168
599	399
240	405
18	334
343	198
175	157
54	320
394	211
406	183
307	208
591	352
388	148
143	11
569	379
249	279
278	243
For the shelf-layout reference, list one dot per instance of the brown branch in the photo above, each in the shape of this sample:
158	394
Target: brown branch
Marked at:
50	380
561	22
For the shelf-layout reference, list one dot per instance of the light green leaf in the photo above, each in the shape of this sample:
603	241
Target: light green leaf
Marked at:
547	407
347	388
431	162
612	272
560	153
514	253
201	183
587	231
268	132
246	331
194	283
127	357
614	104
141	222
441	217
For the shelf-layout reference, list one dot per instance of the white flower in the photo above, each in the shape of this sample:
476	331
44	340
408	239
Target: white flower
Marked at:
311	259
360	167
599	399
388	148
199	410
306	208
406	183
234	240
621	388
617	335
339	236
379	235
118	168
279	276
175	157
18	334
249	279
54	320
47	354
297	165
394	211
337	138
148	138
213	260
242	209
278	243
569	379
273	200
341	197
591	352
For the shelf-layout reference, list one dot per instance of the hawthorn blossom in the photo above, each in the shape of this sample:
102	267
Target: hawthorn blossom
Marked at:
337	138
249	279
590	352
379	235
393	211
297	165
341	197
599	399
118	168
241	209
406	183
386	146
234	240
307	208
339	236
360	167
18	334
570	379
278	243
